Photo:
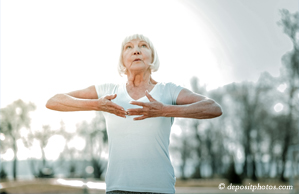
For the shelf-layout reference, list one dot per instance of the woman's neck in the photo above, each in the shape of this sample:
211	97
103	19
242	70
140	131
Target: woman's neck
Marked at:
139	79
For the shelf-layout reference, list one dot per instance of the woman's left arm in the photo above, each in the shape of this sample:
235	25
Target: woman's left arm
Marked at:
189	105
192	105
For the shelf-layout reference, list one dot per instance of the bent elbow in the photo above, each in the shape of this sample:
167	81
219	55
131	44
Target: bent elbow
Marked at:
49	105
218	111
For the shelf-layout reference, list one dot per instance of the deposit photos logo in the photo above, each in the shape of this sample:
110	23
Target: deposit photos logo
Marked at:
221	186
235	188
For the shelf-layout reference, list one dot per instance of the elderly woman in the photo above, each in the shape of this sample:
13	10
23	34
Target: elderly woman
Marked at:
139	115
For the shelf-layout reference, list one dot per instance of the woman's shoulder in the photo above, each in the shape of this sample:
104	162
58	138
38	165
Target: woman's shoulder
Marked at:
106	88
168	84
170	91
108	85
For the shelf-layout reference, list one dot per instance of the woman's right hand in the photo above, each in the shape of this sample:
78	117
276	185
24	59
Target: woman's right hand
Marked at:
108	106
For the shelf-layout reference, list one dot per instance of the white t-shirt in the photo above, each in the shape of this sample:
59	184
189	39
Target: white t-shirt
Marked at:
138	150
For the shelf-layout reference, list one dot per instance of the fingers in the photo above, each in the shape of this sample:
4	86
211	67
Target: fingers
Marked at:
151	99
112	107
118	110
120	113
123	115
113	96
140	118
135	111
110	97
117	106
138	103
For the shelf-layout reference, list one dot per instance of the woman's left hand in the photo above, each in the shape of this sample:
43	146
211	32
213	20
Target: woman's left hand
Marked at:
153	108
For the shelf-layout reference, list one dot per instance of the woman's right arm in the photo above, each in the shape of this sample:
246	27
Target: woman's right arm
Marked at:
84	100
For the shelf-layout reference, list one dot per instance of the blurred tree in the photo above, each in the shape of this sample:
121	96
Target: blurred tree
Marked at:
214	142
185	154
231	174
3	173
4	147
67	157
215	137
208	135
260	127
290	73
95	135
43	136
266	132
249	123
4	142
195	126
198	150
13	118
43	170
246	96
183	147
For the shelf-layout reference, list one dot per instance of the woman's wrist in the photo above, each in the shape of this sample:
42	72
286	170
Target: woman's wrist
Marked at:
98	104
86	104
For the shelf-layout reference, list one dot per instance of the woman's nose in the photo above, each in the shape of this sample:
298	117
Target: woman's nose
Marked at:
136	52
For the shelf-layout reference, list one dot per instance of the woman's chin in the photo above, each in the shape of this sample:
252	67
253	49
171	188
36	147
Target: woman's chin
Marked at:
138	68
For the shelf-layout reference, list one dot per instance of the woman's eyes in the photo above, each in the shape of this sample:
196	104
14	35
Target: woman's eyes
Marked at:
129	47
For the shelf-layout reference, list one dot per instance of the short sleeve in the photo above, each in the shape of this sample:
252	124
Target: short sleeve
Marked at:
174	91
105	89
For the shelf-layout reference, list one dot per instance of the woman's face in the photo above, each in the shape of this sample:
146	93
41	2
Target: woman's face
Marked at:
137	55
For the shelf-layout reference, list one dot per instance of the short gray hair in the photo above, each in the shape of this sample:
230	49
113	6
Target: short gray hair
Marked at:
156	63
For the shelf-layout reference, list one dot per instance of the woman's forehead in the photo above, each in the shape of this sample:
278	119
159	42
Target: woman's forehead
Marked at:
135	40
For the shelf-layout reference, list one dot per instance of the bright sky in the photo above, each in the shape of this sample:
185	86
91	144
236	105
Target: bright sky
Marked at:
56	46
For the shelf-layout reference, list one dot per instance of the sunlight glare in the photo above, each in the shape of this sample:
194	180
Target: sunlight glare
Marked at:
35	150
2	136
176	130
54	147
104	155
77	142
78	183
89	169
240	157
278	107
22	150
8	155
266	158
24	132
73	183
93	185
282	87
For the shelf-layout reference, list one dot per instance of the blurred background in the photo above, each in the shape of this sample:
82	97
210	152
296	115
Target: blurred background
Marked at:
241	53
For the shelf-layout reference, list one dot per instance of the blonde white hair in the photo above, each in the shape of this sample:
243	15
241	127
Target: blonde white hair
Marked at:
154	66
